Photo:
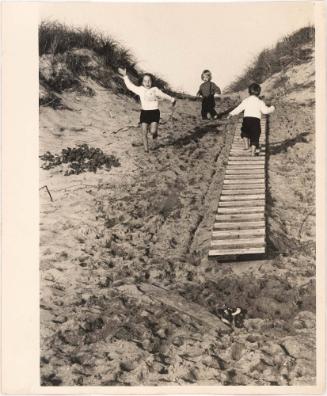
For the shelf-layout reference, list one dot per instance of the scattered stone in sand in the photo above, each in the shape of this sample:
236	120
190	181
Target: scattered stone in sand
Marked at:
237	350
178	341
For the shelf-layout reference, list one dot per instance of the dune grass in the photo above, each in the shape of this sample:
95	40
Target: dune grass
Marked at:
58	39
289	50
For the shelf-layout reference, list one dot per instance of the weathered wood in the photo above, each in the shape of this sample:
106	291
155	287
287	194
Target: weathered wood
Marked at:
243	177
177	302
240	216
251	167
236	252
243	192
238	242
244	181
245	155
238	233
251	171
239	197
260	161
239	225
255	209
243	187
242	203
246	158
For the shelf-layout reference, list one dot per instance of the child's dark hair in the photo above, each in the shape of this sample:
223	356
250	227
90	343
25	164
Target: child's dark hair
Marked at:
254	89
206	71
146	75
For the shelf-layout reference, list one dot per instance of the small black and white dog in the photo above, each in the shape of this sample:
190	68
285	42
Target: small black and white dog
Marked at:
232	316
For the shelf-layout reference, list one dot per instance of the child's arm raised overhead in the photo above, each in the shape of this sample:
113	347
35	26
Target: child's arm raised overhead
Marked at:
129	84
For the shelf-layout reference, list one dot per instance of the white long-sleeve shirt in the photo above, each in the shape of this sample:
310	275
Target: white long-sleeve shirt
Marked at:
252	107
148	96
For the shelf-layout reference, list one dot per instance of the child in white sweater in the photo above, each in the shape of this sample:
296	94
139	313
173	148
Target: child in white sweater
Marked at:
253	107
150	113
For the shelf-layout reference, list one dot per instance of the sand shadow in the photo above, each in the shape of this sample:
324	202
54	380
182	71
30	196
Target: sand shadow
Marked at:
198	133
281	147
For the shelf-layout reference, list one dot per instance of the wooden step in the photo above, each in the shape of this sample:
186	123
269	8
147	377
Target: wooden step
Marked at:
238	177
238	242
241	197
244	181
245	159
238	233
238	171
236	252
240	192
260	162
241	203
239	217
241	187
254	209
245	225
245	166
246	155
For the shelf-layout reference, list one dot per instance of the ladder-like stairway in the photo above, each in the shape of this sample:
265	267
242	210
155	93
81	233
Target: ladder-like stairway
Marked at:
240	226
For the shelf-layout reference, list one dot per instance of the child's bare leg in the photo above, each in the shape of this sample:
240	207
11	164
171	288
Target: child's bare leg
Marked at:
154	129
246	143
253	148
145	128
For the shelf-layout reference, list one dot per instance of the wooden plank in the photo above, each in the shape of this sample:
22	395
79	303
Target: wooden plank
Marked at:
240	192
245	155
255	209
241	187
241	203
238	242
247	158
238	171
251	176
241	197
177	302
239	217
237	166
244	181
239	225
247	163
236	252
238	233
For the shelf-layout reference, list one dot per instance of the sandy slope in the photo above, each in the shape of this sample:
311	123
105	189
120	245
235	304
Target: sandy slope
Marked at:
149	222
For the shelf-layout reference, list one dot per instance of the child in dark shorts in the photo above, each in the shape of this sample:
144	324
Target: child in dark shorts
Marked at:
207	90
149	95
253	108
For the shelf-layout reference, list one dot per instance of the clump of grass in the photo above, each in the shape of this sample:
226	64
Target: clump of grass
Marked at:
82	158
289	50
60	40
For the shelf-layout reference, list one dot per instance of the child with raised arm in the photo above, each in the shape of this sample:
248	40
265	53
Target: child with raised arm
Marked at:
208	90
253	107
149	95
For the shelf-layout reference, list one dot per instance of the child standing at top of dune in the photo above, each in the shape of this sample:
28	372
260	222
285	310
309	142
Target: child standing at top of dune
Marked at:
207	90
149	95
253	107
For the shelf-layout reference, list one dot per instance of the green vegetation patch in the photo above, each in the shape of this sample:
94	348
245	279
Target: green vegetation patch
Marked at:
79	159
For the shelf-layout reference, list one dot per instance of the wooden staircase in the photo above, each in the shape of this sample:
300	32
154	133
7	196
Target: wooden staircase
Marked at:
240	226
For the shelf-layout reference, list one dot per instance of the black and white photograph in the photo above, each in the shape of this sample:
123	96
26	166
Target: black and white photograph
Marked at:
177	194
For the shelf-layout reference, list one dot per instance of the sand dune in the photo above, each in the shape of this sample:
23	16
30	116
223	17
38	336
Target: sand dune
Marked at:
149	221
